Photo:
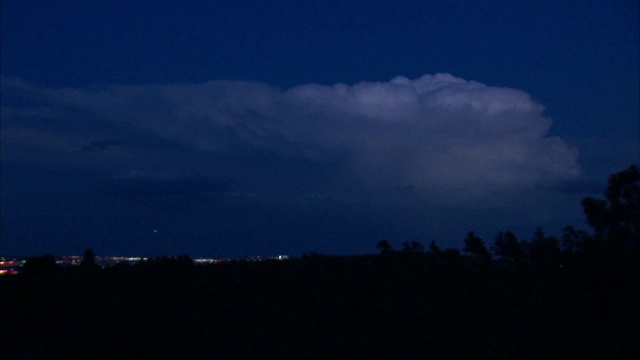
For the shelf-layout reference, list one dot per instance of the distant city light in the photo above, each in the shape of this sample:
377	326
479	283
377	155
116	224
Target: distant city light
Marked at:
14	266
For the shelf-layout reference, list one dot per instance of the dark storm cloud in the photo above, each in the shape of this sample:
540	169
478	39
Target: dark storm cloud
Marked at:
138	185
444	137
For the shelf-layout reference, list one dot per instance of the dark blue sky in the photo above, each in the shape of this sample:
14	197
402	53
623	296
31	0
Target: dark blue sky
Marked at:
217	128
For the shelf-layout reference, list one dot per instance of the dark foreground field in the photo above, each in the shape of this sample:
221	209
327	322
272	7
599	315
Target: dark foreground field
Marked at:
385	307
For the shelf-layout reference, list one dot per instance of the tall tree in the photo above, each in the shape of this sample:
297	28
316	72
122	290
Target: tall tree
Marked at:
616	220
384	246
88	258
573	240
507	247
434	249
475	246
544	249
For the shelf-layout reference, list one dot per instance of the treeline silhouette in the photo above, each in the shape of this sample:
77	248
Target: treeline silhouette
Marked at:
570	297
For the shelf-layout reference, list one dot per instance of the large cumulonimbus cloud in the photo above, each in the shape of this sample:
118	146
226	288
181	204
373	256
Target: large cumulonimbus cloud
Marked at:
437	134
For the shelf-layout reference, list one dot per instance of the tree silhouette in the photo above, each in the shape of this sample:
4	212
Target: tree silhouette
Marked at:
384	246
597	215
475	246
623	194
88	259
544	250
616	220
417	246
572	240
434	249
507	247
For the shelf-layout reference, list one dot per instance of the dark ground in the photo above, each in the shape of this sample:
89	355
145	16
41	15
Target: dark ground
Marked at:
398	306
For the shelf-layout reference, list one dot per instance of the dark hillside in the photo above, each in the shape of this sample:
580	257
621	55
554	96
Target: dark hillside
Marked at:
381	306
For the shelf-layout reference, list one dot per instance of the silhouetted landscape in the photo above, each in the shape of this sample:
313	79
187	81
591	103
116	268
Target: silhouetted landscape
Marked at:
570	297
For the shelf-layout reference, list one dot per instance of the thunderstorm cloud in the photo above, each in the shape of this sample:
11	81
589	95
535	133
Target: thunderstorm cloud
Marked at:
439	136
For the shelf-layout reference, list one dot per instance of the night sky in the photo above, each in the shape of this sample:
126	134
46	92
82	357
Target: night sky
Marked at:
238	128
